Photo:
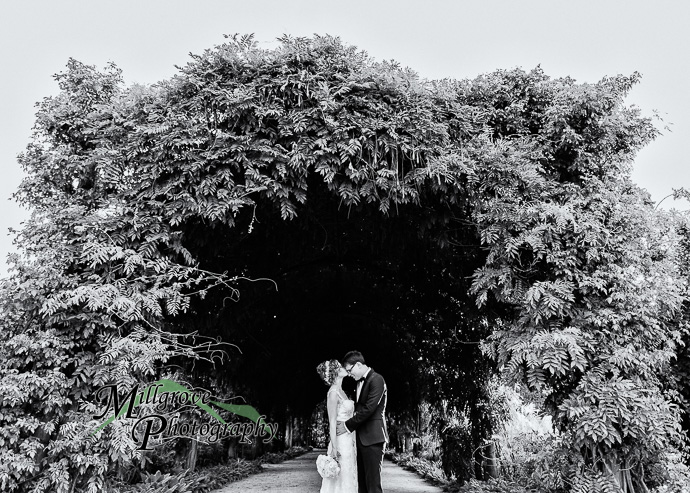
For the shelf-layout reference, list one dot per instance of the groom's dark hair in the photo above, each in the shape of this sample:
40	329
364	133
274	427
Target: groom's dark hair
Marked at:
353	357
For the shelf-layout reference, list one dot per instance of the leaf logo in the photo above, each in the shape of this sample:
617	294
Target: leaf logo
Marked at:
164	385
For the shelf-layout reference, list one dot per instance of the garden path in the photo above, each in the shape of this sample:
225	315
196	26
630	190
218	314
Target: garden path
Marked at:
299	476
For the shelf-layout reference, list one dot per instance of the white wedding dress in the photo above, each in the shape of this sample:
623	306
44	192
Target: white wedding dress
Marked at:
346	481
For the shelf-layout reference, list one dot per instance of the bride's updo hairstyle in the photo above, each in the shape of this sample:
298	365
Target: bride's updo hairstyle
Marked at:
328	370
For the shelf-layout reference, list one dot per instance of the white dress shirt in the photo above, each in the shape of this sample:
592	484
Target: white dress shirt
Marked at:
360	384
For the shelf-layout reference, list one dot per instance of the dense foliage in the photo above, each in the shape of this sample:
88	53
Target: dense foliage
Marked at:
576	280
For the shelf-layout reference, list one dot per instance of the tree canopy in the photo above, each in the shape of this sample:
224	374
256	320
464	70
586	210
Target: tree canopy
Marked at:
518	186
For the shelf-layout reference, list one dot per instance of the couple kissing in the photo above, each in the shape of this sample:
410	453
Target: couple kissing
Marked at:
357	428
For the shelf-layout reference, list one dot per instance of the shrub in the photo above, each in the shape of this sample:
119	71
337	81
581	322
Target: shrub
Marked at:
428	469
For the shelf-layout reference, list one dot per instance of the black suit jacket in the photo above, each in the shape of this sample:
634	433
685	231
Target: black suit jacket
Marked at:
369	420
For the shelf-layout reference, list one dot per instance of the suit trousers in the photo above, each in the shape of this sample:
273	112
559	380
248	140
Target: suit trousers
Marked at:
369	462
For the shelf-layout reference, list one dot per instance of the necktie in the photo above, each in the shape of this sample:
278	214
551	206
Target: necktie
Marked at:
360	384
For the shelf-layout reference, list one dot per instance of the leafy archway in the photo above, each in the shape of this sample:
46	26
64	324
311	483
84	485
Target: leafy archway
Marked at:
342	278
518	181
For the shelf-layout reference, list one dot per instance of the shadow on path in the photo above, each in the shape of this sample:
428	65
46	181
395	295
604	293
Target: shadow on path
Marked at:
299	476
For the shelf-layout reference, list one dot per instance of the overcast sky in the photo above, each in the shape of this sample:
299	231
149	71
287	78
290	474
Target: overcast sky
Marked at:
586	40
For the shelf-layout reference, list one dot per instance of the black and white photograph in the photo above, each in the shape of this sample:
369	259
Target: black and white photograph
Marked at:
303	246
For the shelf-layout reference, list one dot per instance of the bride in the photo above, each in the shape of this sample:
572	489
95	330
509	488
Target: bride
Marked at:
341	447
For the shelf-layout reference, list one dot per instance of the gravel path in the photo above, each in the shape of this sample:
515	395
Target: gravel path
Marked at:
299	476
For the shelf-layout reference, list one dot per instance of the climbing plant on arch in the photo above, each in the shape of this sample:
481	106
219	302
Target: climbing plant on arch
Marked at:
537	169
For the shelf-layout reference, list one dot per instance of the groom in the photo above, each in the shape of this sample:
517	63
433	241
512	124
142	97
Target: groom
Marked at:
369	421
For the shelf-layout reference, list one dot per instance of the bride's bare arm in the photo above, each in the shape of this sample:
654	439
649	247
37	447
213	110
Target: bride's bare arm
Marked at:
332	406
